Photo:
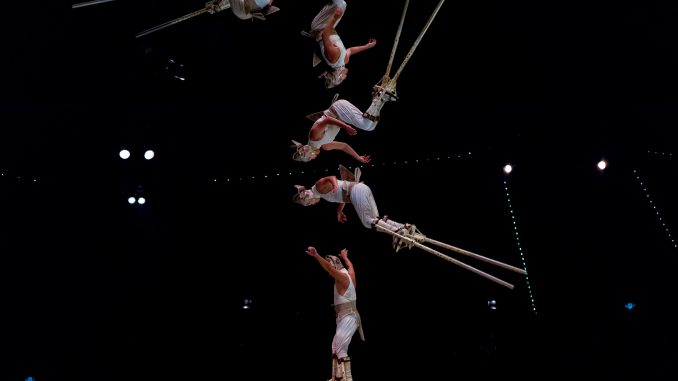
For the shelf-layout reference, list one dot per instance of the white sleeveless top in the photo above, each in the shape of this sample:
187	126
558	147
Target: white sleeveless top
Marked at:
336	195
336	40
349	295
330	132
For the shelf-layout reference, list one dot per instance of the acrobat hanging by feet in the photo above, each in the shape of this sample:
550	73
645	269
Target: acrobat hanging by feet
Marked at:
330	47
341	115
350	190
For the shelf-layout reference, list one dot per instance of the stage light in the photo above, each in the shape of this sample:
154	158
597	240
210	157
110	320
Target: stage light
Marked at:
29	378
141	201
508	168
629	306
131	200
124	154
247	304
602	165
149	154
492	304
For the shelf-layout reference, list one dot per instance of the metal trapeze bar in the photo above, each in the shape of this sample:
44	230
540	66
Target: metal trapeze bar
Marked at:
213	6
447	258
476	256
88	3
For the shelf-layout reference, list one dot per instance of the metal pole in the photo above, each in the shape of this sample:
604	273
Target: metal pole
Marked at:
88	3
476	256
170	23
449	259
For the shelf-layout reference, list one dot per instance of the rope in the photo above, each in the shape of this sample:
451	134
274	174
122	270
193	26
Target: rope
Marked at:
397	39
386	81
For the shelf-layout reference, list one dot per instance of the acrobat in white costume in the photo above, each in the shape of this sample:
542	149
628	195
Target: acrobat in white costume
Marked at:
348	322
330	120
351	190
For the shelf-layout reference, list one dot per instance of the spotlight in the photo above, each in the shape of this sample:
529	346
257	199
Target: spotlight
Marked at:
508	168
131	200
602	165
149	154
124	154
629	306
247	304
141	201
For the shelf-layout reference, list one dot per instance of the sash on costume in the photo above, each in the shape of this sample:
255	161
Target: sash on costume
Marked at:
344	309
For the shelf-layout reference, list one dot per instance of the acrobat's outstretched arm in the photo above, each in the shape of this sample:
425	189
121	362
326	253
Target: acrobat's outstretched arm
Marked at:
360	48
345	147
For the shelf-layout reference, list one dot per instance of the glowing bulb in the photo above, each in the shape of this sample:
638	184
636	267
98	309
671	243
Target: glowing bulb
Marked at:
124	154
602	165
508	168
149	154
131	200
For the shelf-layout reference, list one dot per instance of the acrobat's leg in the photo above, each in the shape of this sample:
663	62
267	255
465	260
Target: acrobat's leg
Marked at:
335	364
320	22
380	95
387	224
402	230
345	364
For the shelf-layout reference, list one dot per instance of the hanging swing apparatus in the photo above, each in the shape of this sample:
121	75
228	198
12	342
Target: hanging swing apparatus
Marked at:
386	87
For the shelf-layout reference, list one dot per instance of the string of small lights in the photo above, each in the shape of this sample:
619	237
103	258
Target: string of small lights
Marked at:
252	179
660	154
520	248
17	178
655	209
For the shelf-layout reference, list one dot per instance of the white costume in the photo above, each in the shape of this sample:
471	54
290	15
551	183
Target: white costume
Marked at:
351	190
347	113
337	73
348	322
247	9
344	111
348	319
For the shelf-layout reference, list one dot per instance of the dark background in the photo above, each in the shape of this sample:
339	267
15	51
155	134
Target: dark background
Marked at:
95	288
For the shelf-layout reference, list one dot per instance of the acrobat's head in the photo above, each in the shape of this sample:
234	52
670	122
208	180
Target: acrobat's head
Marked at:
304	152
247	9
335	261
305	197
334	77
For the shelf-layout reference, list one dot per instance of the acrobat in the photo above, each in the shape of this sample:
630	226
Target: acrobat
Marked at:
341	115
350	190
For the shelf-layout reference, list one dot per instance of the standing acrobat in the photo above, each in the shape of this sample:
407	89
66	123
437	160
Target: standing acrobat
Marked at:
346	312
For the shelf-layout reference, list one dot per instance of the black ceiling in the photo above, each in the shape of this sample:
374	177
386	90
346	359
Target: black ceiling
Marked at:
97	288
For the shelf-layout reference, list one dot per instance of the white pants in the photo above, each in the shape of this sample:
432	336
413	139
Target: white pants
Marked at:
364	204
320	21
350	114
346	328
